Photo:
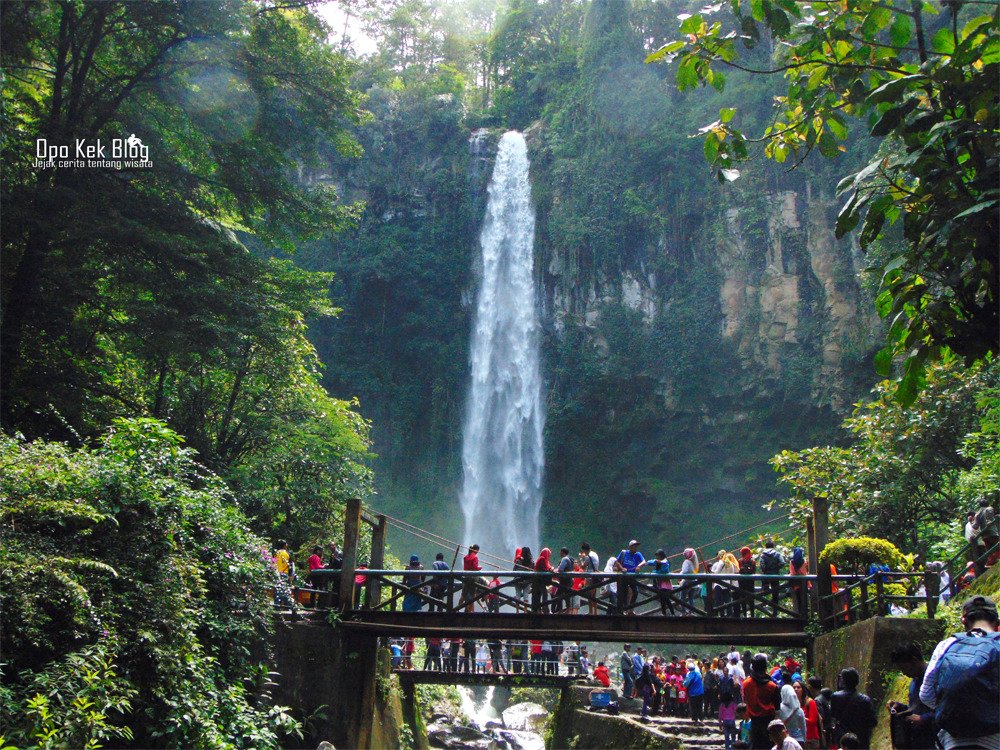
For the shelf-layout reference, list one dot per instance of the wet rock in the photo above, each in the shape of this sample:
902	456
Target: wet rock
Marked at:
528	716
455	737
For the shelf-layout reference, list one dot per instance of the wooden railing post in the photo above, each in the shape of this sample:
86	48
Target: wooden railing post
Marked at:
865	614
881	606
812	597
932	586
824	580
352	525
373	593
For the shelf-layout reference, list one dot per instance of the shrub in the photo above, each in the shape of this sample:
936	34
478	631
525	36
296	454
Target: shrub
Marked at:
857	553
130	580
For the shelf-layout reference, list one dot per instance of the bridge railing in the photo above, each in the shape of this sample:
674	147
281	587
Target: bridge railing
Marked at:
695	594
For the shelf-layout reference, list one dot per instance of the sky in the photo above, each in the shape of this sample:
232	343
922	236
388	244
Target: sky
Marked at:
333	14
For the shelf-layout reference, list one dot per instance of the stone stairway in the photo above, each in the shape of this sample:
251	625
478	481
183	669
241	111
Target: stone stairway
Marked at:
704	735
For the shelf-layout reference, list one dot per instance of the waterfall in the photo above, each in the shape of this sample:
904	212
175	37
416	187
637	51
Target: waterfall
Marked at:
502	457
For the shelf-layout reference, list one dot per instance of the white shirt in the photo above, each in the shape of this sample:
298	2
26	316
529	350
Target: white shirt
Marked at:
736	670
788	743
928	695
611	587
945	590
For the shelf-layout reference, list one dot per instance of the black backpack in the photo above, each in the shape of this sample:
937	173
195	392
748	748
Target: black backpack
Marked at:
770	562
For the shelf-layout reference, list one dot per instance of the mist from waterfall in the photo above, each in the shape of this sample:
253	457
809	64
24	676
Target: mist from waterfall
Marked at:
502	458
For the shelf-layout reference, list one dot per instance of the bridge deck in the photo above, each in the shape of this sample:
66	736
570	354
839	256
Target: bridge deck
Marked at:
613	628
433	677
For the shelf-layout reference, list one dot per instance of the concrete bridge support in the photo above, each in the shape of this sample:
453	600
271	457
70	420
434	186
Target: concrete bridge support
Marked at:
340	679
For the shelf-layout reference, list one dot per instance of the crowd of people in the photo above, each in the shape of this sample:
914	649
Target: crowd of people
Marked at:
759	702
638	579
570	592
494	656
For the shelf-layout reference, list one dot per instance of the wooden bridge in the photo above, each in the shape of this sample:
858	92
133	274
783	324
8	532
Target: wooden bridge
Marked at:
522	679
766	610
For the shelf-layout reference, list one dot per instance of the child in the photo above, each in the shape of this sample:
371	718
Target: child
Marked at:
849	741
492	600
672	702
727	718
743	725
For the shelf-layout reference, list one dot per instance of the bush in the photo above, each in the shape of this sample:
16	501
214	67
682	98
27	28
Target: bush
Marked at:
130	580
856	554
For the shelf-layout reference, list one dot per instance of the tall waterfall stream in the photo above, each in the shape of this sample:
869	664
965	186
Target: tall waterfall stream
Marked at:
502	457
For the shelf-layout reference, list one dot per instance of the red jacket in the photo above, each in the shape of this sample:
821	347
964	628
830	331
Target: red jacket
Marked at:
471	562
762	698
601	675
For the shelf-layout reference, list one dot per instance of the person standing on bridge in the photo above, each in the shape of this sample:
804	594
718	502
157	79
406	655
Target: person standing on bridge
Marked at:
439	584
799	566
470	563
589	563
661	569
747	568
628	591
772	563
432	659
564	599
688	587
523	560
412	601
539	584
611	587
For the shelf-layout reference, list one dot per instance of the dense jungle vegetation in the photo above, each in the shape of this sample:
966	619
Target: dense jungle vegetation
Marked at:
208	355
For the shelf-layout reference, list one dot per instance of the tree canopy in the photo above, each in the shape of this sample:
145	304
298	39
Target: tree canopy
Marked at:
923	76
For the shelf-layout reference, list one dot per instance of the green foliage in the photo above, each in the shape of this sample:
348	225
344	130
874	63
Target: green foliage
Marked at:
857	553
131	581
76	702
905	473
926	83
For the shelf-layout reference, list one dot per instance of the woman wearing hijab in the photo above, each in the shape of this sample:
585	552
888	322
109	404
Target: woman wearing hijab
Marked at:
688	587
798	566
411	599
790	710
747	567
539	587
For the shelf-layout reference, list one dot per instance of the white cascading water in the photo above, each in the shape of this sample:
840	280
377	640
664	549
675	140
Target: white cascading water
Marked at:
502	456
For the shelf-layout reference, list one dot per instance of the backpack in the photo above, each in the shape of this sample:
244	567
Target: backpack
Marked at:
748	567
770	562
968	681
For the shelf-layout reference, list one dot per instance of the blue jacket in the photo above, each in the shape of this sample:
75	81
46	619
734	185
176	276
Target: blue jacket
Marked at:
693	683
637	664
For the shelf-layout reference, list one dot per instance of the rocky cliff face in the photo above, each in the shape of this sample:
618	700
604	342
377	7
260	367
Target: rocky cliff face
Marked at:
789	290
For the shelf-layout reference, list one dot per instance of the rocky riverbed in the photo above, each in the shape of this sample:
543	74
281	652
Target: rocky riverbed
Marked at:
485	724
